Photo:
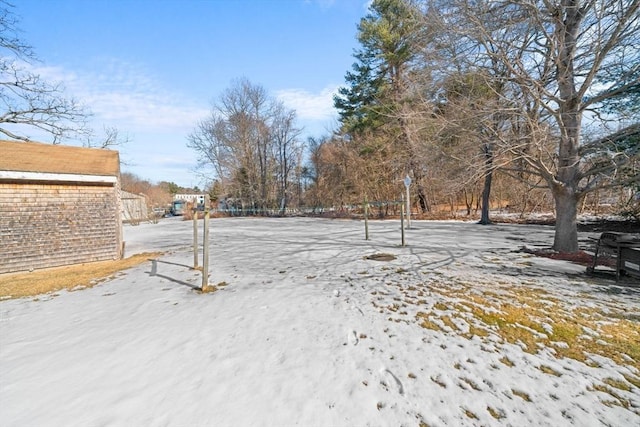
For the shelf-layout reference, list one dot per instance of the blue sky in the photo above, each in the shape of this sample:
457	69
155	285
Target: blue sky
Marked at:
152	68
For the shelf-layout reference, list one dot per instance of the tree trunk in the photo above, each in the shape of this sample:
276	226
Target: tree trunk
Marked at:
486	192
488	179
468	202
566	229
568	175
422	198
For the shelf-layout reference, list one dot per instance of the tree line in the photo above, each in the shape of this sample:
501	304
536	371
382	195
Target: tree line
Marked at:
538	98
482	103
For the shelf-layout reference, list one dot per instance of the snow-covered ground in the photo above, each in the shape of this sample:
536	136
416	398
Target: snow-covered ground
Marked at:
307	332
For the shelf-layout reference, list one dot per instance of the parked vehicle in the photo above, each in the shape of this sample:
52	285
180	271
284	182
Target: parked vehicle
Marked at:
159	212
178	207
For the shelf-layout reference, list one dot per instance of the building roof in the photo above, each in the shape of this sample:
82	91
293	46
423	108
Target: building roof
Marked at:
58	159
129	195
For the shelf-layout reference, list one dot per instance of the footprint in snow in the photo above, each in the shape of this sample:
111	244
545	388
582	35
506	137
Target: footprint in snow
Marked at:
358	309
386	374
352	338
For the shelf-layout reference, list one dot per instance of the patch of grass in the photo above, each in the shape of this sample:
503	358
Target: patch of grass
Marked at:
618	400
635	381
521	394
514	325
592	363
449	323
441	306
533	318
566	331
549	370
427	323
393	307
505	360
208	289
619	384
476	331
470	414
471	383
623	337
498	414
19	285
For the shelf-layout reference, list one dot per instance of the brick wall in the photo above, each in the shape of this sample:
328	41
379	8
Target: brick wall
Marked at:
48	225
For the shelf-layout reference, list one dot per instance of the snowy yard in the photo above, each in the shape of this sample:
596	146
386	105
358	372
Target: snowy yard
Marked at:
461	328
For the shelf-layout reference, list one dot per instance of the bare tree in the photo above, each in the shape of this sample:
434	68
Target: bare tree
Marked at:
250	142
564	59
287	150
28	102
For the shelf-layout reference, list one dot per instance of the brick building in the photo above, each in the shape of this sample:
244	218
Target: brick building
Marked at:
59	205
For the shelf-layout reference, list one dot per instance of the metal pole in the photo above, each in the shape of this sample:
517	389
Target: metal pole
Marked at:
402	220
205	247
407	184
408	208
195	238
366	219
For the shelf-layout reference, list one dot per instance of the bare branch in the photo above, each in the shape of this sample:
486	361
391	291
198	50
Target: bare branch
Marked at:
27	102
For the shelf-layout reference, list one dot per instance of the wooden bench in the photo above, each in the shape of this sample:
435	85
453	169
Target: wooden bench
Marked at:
625	247
630	261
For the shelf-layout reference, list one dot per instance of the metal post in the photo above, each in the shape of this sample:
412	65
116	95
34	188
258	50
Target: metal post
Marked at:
195	238
402	220
407	184
408	209
205	246
366	218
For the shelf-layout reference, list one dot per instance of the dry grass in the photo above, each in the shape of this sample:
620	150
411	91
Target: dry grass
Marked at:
532	318
616	400
73	277
521	394
498	414
208	289
426	322
550	371
505	360
471	383
633	380
469	414
622	385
